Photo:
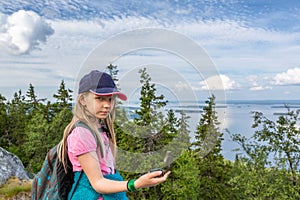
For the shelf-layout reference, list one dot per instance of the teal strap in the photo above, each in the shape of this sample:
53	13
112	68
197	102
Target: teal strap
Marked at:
85	191
74	186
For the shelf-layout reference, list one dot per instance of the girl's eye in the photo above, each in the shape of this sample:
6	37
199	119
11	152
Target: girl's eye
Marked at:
111	98
99	98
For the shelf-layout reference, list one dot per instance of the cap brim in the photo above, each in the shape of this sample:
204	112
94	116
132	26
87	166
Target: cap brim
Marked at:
120	95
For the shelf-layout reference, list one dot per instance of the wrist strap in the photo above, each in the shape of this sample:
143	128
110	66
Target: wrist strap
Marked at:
130	185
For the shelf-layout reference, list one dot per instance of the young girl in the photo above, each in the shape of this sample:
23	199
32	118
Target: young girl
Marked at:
92	148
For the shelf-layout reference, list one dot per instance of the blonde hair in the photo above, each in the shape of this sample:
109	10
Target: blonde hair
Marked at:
80	113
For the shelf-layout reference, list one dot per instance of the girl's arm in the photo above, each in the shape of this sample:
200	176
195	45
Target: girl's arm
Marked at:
90	165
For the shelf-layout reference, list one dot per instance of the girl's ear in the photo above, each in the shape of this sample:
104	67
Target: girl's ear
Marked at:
82	100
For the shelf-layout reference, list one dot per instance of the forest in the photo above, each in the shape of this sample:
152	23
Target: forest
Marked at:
30	126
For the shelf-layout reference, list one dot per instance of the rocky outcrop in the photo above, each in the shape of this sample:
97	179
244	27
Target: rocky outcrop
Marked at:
11	166
20	196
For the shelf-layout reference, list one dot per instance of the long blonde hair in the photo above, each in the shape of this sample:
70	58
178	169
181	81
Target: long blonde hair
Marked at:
80	113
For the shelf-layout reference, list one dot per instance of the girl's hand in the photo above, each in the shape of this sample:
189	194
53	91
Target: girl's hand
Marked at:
151	179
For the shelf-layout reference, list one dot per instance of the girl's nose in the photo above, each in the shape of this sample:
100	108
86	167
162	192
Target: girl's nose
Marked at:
107	104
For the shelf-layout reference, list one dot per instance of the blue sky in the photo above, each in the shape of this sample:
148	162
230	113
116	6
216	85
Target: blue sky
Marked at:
254	45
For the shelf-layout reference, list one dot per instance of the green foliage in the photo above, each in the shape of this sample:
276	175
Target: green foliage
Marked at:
3	121
37	141
18	116
252	182
113	71
63	98
150	103
207	135
270	169
212	168
150	132
30	126
151	129
183	181
32	101
58	124
281	137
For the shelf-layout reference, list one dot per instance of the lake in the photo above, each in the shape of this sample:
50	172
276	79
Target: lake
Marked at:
234	115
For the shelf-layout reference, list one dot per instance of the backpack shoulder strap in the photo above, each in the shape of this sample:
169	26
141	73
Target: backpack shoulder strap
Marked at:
84	125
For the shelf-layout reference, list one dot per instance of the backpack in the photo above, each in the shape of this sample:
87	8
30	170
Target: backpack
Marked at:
52	182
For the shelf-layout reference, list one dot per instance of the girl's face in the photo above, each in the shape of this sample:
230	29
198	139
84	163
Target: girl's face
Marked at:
99	106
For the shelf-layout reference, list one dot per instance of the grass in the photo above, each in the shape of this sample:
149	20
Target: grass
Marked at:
13	187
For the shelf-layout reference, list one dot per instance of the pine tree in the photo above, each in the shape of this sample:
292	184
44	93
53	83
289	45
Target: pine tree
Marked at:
151	119
32	101
150	103
183	182
58	124
37	142
17	118
213	170
208	138
113	71
3	122
183	132
63	98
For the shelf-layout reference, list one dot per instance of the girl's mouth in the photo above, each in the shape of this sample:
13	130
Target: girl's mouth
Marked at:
103	112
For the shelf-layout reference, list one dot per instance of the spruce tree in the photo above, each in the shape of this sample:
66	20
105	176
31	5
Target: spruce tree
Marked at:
213	170
37	142
151	121
63	98
183	182
150	131
3	122
32	98
208	138
17	119
113	71
36	105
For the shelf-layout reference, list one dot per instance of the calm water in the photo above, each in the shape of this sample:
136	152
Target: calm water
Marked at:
235	116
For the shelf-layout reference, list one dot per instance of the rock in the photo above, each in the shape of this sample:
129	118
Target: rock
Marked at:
11	166
21	196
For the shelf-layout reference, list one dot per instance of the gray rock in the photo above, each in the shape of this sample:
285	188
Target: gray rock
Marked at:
11	166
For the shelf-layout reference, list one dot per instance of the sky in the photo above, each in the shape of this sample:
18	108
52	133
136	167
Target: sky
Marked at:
251	47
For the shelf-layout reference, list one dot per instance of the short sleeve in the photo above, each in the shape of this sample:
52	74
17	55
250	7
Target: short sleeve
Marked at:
81	141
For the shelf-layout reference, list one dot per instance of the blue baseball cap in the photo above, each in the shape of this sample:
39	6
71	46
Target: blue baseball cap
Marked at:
99	83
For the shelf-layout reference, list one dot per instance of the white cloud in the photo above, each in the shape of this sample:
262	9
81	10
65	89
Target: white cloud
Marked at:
232	32
208	32
258	82
290	77
23	31
180	86
102	27
219	82
258	88
234	47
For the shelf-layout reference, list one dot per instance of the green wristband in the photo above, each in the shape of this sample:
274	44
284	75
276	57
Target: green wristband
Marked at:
130	185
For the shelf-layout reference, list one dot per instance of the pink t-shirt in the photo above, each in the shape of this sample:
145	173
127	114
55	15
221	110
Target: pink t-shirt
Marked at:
82	141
